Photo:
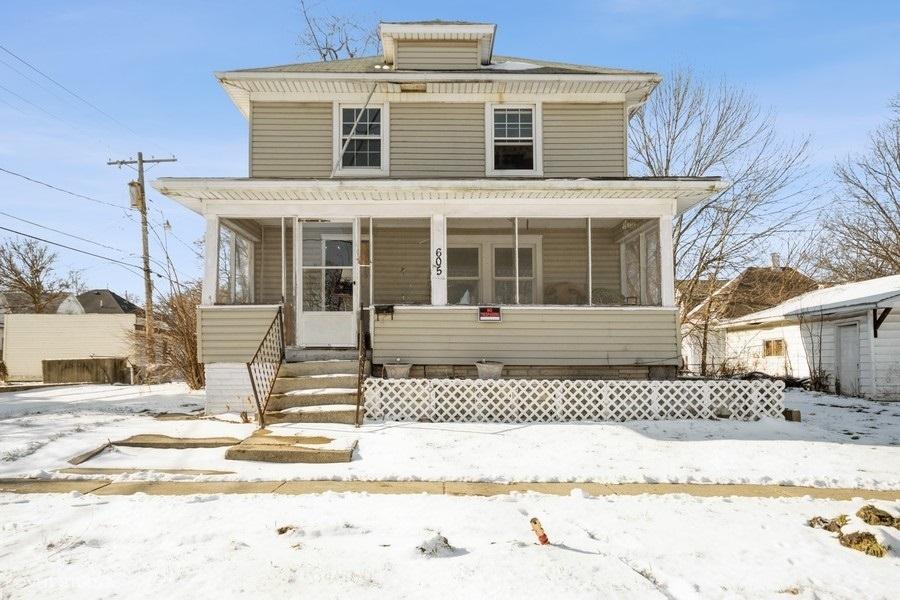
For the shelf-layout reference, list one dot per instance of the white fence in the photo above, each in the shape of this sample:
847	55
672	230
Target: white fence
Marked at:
536	400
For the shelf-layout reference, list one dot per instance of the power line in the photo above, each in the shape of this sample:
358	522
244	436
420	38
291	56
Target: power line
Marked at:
70	92
100	256
64	191
71	235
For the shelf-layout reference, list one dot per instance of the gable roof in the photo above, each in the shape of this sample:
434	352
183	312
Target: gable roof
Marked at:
104	301
755	289
862	295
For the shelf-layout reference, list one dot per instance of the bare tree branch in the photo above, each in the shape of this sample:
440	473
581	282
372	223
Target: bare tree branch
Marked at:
333	37
27	267
689	128
863	240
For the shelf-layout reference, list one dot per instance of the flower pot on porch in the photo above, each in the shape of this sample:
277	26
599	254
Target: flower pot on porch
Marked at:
489	369
397	370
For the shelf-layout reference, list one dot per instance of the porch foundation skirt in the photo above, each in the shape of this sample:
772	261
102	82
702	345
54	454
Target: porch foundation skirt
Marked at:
547	400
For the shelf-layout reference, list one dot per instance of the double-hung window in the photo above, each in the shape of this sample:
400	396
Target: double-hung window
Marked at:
361	140
513	140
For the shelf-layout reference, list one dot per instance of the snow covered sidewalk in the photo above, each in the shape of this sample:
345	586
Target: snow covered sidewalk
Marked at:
361	546
842	442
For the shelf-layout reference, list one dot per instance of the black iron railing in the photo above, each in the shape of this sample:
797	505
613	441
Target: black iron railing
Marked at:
264	365
360	367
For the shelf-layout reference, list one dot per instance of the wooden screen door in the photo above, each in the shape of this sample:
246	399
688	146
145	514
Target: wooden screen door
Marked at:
328	293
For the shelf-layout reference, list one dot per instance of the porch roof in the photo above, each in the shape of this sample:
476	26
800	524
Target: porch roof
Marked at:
197	193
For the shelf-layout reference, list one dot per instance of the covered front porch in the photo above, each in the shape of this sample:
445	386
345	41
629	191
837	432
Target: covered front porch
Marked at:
584	291
578	274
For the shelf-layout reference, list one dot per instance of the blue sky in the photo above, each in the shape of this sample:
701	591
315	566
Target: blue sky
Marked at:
828	69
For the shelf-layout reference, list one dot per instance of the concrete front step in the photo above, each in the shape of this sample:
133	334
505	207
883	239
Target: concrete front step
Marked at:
320	397
314	382
265	447
342	413
320	367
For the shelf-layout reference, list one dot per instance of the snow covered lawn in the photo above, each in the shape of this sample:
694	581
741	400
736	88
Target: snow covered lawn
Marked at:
842	442
361	546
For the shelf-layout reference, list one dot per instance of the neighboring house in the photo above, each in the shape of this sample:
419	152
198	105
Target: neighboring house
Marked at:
850	334
107	302
756	288
399	193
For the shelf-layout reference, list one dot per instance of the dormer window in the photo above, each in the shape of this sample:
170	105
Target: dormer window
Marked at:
361	139
513	136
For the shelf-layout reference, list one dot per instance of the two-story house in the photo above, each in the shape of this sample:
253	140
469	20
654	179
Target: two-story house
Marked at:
411	193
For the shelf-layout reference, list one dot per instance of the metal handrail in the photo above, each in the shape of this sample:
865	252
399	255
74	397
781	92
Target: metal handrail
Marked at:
264	366
360	366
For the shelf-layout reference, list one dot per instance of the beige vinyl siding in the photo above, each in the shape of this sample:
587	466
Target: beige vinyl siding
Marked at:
290	139
438	55
267	267
584	140
231	334
402	266
30	339
530	336
437	140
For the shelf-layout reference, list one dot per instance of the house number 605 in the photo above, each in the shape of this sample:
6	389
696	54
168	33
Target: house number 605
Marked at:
438	262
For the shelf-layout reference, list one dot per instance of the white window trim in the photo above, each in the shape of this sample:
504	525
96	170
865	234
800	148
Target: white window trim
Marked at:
336	143
486	245
537	130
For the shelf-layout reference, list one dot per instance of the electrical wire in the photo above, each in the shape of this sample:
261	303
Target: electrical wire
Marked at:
71	235
100	256
74	94
64	191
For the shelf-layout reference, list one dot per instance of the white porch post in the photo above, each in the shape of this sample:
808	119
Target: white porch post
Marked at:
210	260
438	260
666	262
283	262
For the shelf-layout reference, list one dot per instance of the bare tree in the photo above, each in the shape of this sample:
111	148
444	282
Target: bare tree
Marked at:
333	37
863	240
27	267
693	129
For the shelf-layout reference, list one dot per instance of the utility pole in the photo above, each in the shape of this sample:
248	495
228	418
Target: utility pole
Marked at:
139	201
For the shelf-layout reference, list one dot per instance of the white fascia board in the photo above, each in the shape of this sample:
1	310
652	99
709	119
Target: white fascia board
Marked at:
187	184
448	76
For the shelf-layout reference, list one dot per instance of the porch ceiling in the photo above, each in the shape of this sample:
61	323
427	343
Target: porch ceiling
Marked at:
198	193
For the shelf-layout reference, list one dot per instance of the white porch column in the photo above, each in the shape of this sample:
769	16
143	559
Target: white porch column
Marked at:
210	261
438	260
666	262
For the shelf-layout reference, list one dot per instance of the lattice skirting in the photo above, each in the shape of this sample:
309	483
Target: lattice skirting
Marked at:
548	400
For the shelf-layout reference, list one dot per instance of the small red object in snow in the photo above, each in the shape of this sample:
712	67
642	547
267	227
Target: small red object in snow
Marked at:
539	531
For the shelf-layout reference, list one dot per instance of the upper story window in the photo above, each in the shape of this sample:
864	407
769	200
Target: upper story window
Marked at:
361	140
513	136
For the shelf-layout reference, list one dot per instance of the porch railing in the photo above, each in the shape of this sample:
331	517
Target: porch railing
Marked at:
360	367
263	367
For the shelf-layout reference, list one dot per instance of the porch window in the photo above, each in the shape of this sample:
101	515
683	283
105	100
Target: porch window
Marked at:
641	263
464	275
505	275
514	140
361	139
235	270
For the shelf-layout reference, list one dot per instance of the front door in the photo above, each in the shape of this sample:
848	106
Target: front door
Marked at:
328	293
848	357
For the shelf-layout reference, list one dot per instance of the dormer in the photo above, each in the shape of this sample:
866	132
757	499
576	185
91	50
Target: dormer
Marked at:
437	45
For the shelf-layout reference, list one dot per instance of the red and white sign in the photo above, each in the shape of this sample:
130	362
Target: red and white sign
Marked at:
489	313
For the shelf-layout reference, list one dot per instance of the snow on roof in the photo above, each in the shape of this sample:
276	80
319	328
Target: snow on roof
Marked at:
871	293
